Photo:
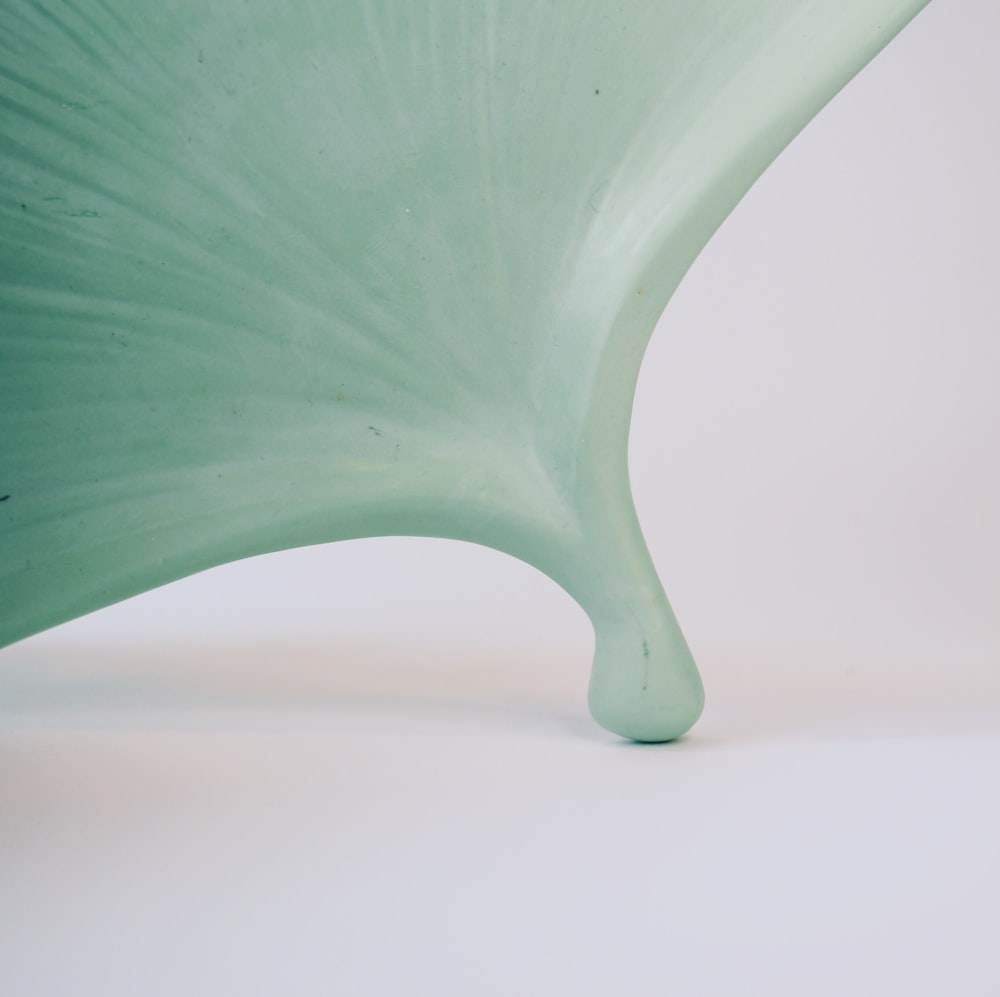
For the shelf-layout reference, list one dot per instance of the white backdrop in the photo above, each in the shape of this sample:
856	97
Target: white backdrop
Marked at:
367	768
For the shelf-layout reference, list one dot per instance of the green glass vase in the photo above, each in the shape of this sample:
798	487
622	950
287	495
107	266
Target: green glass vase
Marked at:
275	274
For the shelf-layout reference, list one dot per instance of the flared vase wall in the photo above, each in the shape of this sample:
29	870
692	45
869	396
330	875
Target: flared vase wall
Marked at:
275	274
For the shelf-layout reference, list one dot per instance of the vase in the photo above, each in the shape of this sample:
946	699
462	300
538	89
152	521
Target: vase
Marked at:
281	274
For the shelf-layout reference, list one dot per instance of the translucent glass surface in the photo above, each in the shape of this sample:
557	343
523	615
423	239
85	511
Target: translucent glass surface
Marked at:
275	274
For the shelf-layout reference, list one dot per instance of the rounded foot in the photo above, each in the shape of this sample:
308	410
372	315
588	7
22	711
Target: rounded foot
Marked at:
644	684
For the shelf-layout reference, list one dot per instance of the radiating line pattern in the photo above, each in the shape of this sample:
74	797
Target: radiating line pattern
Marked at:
279	274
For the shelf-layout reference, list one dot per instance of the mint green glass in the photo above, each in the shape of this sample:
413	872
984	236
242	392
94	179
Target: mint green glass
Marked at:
276	274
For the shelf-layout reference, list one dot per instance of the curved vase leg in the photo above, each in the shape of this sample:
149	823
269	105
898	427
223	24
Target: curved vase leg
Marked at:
644	684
